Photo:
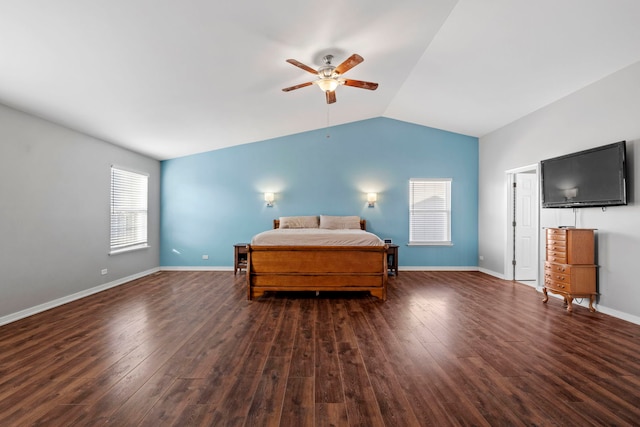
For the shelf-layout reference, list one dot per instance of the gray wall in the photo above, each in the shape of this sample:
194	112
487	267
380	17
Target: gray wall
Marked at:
54	213
602	113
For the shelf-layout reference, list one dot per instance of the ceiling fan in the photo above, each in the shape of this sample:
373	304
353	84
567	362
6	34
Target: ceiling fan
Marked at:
330	76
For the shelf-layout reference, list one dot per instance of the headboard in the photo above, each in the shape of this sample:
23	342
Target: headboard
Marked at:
363	224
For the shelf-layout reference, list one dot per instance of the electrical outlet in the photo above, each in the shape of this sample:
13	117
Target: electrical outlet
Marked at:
104	271
205	256
481	258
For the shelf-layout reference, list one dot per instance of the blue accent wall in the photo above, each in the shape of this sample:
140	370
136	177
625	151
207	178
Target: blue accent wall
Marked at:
212	200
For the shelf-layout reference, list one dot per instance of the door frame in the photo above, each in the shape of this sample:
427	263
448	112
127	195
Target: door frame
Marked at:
510	174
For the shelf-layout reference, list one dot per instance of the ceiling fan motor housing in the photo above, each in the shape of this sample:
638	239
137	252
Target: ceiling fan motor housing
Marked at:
327	70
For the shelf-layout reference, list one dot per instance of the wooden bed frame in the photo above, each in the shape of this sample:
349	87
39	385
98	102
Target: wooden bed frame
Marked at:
317	268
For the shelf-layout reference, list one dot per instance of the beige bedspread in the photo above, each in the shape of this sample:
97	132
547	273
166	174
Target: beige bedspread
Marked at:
315	237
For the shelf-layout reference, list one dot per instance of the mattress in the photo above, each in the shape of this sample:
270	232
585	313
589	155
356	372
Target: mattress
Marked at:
315	237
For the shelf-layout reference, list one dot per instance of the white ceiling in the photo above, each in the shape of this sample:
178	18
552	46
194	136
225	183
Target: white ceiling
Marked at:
168	78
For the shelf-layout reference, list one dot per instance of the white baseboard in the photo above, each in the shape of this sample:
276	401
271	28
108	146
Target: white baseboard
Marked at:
584	302
78	295
196	268
492	273
619	314
436	268
404	268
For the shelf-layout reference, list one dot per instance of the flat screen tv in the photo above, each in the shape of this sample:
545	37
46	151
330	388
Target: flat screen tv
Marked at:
594	177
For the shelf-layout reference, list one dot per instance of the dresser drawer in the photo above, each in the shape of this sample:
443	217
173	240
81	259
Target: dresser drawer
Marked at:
557	286
559	257
557	268
556	234
559	277
556	245
570	278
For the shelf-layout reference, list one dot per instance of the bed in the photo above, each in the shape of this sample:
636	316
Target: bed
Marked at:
297	255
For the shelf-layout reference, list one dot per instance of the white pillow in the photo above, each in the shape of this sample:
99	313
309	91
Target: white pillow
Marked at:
340	222
298	222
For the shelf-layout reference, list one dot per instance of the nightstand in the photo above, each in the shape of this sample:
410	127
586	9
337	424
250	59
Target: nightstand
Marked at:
392	259
239	257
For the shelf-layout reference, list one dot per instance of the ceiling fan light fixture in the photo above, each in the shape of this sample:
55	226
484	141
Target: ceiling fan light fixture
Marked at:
327	84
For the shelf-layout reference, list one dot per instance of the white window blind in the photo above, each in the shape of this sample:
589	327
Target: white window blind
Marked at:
430	211
128	210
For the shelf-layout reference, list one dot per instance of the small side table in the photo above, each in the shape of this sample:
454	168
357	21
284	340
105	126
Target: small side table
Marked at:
392	259
239	257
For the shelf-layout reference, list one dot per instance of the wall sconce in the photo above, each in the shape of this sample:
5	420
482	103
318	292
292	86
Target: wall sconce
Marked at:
372	198
268	197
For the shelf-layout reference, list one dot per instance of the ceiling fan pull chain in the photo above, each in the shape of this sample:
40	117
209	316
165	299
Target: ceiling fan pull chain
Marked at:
328	110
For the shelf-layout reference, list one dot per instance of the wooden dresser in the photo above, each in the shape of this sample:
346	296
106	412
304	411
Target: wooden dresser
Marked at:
569	269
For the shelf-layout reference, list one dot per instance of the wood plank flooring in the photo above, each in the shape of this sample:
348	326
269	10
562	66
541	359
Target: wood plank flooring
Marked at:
446	348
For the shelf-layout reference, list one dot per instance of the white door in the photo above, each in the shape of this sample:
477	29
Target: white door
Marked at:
526	206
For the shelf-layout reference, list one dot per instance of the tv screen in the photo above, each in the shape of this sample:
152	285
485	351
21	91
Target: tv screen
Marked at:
594	177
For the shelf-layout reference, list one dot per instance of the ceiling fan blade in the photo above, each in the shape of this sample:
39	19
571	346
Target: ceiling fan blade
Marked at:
287	89
331	96
361	84
349	63
301	65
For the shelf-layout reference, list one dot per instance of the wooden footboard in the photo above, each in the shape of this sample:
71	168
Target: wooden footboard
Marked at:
316	268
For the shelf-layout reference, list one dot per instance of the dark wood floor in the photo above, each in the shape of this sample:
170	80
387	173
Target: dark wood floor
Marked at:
446	348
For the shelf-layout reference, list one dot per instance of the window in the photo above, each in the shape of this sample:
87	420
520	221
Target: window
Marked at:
128	210
430	211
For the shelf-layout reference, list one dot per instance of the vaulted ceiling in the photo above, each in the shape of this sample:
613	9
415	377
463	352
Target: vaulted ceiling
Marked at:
171	78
